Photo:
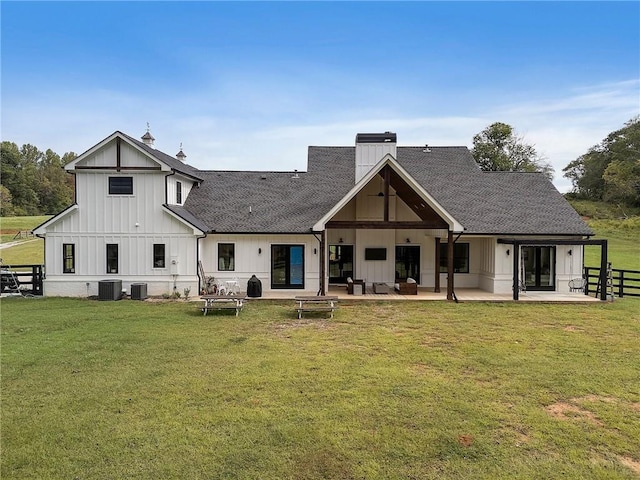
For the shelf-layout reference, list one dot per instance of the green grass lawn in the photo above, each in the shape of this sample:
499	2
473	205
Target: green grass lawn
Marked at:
110	390
624	243
30	251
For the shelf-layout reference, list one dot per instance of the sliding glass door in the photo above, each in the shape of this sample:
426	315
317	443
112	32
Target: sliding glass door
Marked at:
287	266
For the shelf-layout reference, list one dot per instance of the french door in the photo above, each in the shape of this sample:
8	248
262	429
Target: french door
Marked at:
407	263
539	267
340	263
287	266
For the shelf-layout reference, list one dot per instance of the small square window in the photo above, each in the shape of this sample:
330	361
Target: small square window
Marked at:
120	185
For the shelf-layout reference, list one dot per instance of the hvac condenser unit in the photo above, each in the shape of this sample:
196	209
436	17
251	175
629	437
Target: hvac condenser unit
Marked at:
109	289
138	291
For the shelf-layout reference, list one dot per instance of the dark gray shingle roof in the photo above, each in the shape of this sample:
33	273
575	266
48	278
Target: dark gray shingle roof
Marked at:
506	203
187	216
172	162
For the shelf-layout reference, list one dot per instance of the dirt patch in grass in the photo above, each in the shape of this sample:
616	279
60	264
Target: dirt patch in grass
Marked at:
465	440
567	411
633	465
572	328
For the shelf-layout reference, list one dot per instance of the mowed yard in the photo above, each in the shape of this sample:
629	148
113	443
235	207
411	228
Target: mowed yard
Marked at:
154	390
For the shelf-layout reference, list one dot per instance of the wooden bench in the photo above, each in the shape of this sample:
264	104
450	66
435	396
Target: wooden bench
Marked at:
316	304
222	302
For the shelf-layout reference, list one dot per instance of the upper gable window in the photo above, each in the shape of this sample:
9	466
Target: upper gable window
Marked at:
120	185
179	193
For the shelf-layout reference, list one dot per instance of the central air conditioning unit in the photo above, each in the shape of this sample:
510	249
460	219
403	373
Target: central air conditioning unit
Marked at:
138	291
109	289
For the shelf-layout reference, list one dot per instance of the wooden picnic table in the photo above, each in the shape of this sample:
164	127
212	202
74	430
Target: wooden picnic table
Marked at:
318	303
222	302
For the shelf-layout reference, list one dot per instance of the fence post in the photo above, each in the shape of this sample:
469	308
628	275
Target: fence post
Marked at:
621	285
586	284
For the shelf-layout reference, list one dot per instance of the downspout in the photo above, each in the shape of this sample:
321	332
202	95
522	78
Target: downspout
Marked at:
200	280
166	186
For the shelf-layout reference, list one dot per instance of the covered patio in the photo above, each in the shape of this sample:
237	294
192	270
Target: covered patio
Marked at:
427	294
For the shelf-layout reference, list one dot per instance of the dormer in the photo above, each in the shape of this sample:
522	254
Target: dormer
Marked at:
371	148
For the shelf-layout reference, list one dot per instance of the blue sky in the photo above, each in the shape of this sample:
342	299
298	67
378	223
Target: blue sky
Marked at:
250	85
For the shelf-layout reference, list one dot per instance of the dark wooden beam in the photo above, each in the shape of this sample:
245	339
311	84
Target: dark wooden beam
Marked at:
436	288
323	266
118	163
450	246
383	225
516	271
387	176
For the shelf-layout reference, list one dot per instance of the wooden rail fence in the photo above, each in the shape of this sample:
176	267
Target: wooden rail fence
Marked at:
29	279
625	283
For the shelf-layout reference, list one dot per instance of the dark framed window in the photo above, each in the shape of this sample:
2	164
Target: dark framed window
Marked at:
460	257
68	258
179	193
112	258
159	259
120	185
287	266
226	257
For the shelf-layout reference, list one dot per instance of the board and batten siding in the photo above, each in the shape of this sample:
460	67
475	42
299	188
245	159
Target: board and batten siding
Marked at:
186	184
253	257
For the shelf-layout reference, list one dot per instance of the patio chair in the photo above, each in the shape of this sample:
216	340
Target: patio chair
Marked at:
577	284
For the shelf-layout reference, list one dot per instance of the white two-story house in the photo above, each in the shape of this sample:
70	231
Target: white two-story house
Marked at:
374	211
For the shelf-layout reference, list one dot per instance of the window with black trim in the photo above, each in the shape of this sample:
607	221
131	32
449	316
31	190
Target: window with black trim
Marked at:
159	259
68	258
112	258
179	193
460	257
120	185
226	257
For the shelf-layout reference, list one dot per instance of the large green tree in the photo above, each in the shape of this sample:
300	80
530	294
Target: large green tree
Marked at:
498	148
34	183
610	170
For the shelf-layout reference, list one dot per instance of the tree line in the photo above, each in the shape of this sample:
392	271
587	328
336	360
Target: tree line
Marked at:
35	183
